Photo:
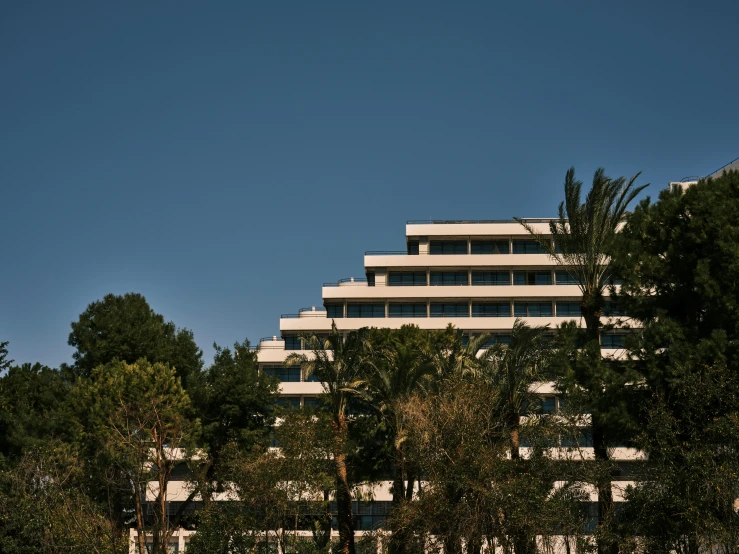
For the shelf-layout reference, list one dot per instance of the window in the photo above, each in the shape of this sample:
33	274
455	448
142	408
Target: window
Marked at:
406	309
449	278
491	278
450	309
497	339
612	309
289	401
582	439
334	311
568	309
548	405
284	374
489	246
311	402
532	309
292	342
448	247
370	278
373	309
413	248
491	309
406	278
521	246
611	340
562	277
532	277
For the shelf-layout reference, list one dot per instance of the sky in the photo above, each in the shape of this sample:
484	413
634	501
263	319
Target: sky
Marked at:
224	159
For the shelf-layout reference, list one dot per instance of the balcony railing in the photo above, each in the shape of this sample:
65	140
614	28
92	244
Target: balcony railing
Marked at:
385	252
467	221
348	281
305	312
273	339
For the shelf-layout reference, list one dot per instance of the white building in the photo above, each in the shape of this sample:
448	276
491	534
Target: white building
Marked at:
477	275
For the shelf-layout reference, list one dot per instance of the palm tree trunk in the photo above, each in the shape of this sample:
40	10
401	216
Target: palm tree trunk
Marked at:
343	491
605	493
397	542
591	314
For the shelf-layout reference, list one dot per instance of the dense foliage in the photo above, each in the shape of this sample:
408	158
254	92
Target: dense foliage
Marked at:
457	426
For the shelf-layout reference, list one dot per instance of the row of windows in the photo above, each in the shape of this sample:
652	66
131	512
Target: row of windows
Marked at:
480	246
477	277
499	308
293	342
288	374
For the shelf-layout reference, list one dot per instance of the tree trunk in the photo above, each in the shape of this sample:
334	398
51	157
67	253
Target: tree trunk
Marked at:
322	524
411	478
343	491
591	312
515	440
523	543
396	544
140	533
606	545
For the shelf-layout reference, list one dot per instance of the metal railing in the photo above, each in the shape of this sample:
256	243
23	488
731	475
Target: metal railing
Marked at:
272	339
358	280
458	221
385	252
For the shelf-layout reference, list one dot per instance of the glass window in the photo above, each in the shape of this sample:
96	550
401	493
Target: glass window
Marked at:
311	401
582	439
612	309
548	405
284	374
497	338
489	246
562	277
369	309
370	278
448	247
449	278
568	309
334	311
527	246
450	309
406	278
289	401
293	342
611	340
532	309
532	277
407	309
491	309
491	278
413	247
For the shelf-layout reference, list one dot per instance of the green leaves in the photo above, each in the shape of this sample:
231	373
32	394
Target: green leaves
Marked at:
126	328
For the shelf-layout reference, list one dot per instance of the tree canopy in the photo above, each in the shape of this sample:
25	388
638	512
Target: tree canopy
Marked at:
124	327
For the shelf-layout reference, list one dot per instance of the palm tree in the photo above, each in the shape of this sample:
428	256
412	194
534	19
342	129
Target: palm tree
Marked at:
451	358
584	236
339	365
512	370
450	355
398	370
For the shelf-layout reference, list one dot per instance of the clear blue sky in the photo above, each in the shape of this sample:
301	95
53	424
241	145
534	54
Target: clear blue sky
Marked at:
225	159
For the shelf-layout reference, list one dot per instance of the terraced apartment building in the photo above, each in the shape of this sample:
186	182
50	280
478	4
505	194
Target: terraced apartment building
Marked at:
479	276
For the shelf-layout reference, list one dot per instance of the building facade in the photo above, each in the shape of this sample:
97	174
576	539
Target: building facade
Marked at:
479	276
